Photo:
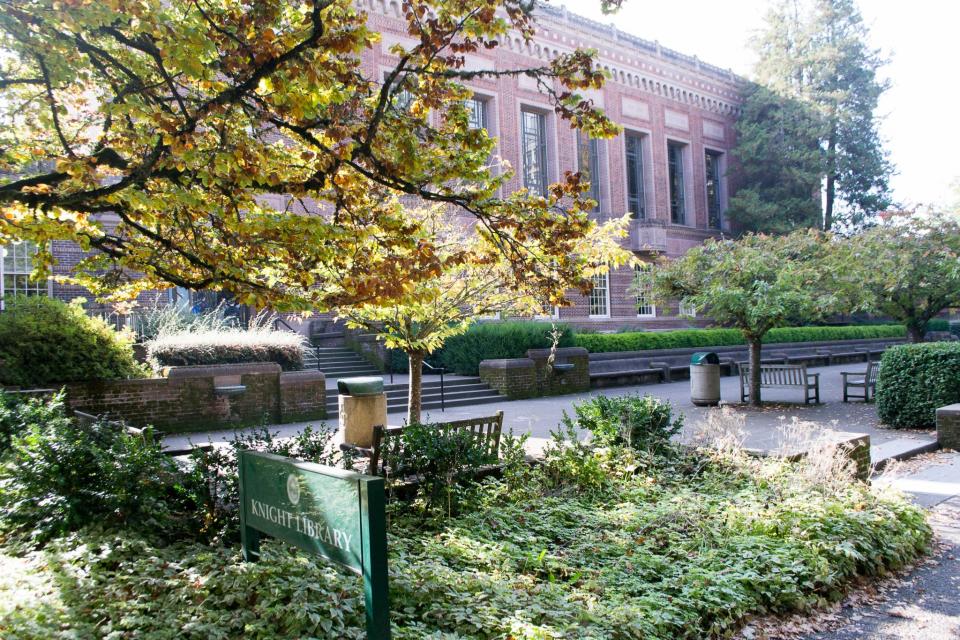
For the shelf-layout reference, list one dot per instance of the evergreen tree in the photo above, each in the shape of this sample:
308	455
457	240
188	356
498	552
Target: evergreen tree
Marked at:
817	52
779	157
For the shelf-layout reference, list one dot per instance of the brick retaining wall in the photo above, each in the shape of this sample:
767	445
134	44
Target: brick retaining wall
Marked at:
948	427
193	398
530	377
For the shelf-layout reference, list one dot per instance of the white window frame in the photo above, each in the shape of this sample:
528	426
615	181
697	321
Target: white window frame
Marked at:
603	278
641	296
33	288
686	310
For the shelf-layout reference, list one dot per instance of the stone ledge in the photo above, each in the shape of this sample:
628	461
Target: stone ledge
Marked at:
948	427
217	370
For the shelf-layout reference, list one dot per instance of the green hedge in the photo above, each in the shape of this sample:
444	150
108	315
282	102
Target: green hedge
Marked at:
45	342
227	347
490	340
915	380
686	338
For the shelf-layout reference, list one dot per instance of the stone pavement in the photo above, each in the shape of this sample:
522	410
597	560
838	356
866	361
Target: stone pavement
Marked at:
539	416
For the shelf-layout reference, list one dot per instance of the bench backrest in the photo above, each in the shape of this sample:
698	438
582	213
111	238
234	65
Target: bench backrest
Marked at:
388	441
776	375
873	370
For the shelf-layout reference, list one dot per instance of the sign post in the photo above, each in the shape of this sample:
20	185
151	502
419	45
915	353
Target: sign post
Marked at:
333	513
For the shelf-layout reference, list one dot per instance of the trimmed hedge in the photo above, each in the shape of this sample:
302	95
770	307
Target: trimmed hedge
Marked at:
686	338
227	347
491	340
45	342
915	380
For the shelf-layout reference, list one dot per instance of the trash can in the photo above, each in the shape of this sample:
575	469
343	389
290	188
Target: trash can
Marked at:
705	379
362	405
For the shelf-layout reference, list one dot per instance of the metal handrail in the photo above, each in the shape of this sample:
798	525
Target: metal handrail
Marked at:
278	321
442	371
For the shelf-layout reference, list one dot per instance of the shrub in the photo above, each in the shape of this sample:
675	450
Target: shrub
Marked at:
227	346
463	353
916	379
687	338
58	476
644	422
45	342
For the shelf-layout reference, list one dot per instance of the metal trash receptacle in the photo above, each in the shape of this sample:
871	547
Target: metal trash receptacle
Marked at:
362	404
705	379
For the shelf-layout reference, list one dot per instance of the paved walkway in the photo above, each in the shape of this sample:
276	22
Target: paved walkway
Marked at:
541	415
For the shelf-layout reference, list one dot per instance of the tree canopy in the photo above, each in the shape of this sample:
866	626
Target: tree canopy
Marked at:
154	131
818	52
907	268
754	284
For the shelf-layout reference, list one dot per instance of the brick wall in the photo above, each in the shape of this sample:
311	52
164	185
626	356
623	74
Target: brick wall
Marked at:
531	378
515	378
193	398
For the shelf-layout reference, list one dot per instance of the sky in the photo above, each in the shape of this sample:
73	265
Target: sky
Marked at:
920	112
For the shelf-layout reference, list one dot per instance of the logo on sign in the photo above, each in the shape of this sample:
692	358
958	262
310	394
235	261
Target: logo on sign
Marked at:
293	489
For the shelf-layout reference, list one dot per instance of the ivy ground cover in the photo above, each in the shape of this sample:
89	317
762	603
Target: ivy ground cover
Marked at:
597	542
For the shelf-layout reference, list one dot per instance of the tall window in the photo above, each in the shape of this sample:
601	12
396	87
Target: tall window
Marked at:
643	285
15	267
600	296
687	309
476	113
713	189
534	133
588	162
678	214
635	197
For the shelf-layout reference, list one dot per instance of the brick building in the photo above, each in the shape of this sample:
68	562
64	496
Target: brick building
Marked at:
668	169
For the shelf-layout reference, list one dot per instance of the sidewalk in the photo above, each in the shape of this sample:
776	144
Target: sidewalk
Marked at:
538	417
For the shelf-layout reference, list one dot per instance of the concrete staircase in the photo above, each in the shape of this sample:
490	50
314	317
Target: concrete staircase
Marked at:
459	391
337	362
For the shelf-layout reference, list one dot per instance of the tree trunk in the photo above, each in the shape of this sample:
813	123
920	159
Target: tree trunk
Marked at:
916	331
754	371
414	399
831	180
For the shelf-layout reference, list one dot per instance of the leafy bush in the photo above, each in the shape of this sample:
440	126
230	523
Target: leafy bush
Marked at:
687	338
490	340
45	342
227	346
437	458
58	476
643	422
915	380
688	549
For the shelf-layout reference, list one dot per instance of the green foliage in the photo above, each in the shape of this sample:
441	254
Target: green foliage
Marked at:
680	549
915	380
820	56
905	269
58	476
163	319
227	346
687	338
437	459
490	340
46	342
778	152
640	422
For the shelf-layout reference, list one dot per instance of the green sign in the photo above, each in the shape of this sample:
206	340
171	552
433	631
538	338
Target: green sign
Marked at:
331	512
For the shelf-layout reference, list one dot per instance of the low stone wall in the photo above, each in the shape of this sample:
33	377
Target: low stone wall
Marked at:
531	377
948	427
207	397
855	446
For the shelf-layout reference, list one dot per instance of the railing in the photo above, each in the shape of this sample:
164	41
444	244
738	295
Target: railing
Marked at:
442	371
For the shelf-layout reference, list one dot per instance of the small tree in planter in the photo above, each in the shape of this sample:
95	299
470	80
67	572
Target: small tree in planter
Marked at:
754	284
907	268
481	285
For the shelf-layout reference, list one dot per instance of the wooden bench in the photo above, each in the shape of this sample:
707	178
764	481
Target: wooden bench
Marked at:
782	376
866	380
387	443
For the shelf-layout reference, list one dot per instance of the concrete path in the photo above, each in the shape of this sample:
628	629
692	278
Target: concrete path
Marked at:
539	416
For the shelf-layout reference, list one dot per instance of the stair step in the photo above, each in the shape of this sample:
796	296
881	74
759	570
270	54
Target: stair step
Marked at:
431	406
401	401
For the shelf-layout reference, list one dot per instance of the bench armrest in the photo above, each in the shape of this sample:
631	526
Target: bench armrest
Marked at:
352	448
